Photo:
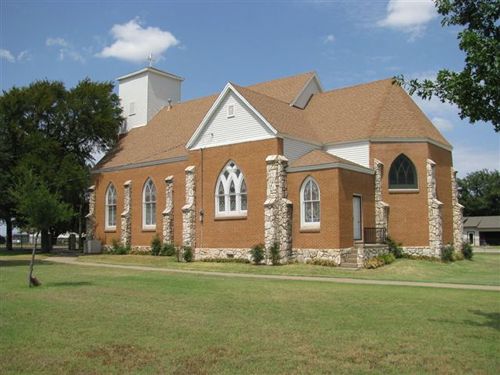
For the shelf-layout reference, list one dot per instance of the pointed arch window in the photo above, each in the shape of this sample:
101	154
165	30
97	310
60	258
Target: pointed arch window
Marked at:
310	204
110	209
231	192
402	174
149	205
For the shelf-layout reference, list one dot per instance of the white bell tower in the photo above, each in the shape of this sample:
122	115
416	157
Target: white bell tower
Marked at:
145	92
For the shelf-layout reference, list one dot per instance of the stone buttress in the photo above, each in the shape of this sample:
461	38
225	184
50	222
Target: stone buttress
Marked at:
168	213
126	216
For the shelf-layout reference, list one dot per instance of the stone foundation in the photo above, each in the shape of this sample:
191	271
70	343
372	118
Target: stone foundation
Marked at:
225	253
336	256
419	251
368	252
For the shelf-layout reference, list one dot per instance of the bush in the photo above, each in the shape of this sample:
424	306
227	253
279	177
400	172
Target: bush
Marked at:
394	247
188	253
322	262
467	251
257	253
168	250
275	254
117	248
155	245
379	261
447	253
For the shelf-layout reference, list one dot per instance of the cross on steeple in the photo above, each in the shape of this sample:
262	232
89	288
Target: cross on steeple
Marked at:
150	59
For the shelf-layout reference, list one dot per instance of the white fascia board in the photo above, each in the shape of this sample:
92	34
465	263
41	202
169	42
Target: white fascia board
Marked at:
215	106
411	140
234	142
318	167
152	70
314	77
293	138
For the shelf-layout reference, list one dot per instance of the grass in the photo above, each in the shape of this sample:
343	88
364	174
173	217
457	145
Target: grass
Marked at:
93	320
483	270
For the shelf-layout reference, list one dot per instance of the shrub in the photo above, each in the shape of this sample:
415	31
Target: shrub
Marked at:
275	254
188	253
322	262
467	251
117	248
168	250
388	258
155	245
257	253
447	253
394	247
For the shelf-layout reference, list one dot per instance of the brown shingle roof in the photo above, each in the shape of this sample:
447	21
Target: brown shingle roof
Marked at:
319	157
369	111
283	89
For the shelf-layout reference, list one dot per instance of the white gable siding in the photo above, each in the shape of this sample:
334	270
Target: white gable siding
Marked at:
134	90
311	88
244	126
358	152
295	149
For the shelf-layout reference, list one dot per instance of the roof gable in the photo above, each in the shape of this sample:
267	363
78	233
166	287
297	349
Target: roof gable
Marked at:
217	128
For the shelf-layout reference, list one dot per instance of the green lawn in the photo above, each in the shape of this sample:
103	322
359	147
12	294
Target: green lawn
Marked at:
86	320
484	269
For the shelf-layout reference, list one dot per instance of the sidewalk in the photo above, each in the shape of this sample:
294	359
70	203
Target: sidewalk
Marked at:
340	280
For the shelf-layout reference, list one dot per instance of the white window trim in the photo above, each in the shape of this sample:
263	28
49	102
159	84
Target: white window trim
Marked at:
361	219
131	109
230	110
106	208
303	224
226	183
144	203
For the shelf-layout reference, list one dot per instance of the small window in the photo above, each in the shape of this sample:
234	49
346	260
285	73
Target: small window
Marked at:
230	110
402	174
110	209
231	192
149	205
131	109
310	210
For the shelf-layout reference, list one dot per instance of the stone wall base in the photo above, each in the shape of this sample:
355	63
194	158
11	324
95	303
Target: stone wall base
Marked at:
222	253
421	251
368	252
336	256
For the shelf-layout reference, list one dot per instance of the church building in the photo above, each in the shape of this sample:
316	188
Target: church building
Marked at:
323	174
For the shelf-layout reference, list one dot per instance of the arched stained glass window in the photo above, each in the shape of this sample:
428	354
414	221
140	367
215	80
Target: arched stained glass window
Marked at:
402	174
231	192
149	205
310	213
110	210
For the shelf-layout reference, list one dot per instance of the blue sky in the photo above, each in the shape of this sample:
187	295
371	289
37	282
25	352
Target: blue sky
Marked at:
212	42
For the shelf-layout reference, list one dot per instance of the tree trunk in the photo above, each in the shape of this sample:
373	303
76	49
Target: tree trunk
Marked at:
8	243
33	281
46	241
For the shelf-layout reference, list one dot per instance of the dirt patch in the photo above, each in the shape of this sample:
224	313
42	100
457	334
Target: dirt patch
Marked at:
123	356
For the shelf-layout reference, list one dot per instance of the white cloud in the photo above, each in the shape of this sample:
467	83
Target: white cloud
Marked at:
24	56
468	159
409	16
134	43
5	54
330	38
442	124
66	49
56	42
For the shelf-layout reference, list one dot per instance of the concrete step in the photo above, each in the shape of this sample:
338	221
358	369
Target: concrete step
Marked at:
349	265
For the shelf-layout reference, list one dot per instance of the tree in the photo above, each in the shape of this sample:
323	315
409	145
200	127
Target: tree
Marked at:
39	207
476	89
54	131
480	193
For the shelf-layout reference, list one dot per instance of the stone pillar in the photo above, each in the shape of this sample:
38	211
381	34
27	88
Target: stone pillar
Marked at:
189	210
434	212
90	235
126	217
458	209
277	208
168	213
381	208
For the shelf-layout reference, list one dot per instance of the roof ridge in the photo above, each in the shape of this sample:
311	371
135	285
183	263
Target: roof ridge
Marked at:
378	81
380	108
312	72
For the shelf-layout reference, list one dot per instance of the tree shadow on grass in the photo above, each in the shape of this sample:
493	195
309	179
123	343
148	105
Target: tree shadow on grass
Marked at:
22	262
69	283
492	320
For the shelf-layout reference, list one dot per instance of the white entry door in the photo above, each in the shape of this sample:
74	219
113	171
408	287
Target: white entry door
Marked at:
356	217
